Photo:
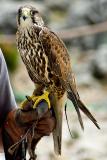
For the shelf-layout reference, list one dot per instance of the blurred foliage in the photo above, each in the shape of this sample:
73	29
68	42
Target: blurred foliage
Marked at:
19	96
11	56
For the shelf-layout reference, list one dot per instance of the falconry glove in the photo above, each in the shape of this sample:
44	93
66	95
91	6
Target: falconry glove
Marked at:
28	125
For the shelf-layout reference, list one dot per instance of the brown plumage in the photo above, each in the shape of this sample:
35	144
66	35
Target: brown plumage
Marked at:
48	65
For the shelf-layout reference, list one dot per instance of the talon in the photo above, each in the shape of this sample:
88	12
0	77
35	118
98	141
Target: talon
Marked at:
25	102
35	100
40	98
22	105
29	98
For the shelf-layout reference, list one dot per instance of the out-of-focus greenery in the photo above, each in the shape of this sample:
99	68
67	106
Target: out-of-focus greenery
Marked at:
19	96
11	56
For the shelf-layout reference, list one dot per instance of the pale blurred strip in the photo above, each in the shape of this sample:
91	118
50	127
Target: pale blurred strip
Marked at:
67	34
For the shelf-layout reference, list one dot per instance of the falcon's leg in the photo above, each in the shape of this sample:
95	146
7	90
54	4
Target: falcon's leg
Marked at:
38	90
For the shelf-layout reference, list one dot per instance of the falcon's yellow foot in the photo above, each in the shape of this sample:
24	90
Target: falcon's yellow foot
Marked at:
38	99
25	102
34	100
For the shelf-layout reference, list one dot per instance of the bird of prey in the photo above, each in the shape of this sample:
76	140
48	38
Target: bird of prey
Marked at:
48	64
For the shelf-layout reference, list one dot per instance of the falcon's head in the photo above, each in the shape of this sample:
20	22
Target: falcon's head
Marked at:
29	16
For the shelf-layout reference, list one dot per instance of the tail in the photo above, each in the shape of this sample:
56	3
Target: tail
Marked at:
80	106
58	106
57	135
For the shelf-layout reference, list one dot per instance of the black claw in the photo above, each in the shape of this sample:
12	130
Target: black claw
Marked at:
29	98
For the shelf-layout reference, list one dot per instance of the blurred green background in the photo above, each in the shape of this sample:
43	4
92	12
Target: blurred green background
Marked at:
87	47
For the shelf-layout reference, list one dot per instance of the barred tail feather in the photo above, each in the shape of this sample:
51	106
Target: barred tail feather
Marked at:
87	112
78	104
57	136
58	105
73	98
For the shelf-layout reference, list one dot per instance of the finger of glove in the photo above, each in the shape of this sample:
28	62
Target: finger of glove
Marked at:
23	118
46	125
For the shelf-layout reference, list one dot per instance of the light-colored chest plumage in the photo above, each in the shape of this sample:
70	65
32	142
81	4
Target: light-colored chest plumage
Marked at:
37	62
33	56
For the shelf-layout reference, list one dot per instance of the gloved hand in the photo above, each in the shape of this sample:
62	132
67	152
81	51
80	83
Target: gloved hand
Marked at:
19	121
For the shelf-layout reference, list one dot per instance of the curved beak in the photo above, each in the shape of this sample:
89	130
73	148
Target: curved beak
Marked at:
24	18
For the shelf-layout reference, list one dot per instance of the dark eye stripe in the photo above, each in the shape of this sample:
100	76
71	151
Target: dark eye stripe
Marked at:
33	20
19	15
19	11
33	12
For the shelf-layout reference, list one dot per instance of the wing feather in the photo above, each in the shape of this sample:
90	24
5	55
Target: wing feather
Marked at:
56	51
60	65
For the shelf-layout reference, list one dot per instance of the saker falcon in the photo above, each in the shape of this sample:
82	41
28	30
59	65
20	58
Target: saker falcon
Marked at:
48	64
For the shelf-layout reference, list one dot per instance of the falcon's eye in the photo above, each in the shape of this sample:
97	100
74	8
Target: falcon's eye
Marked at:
33	12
